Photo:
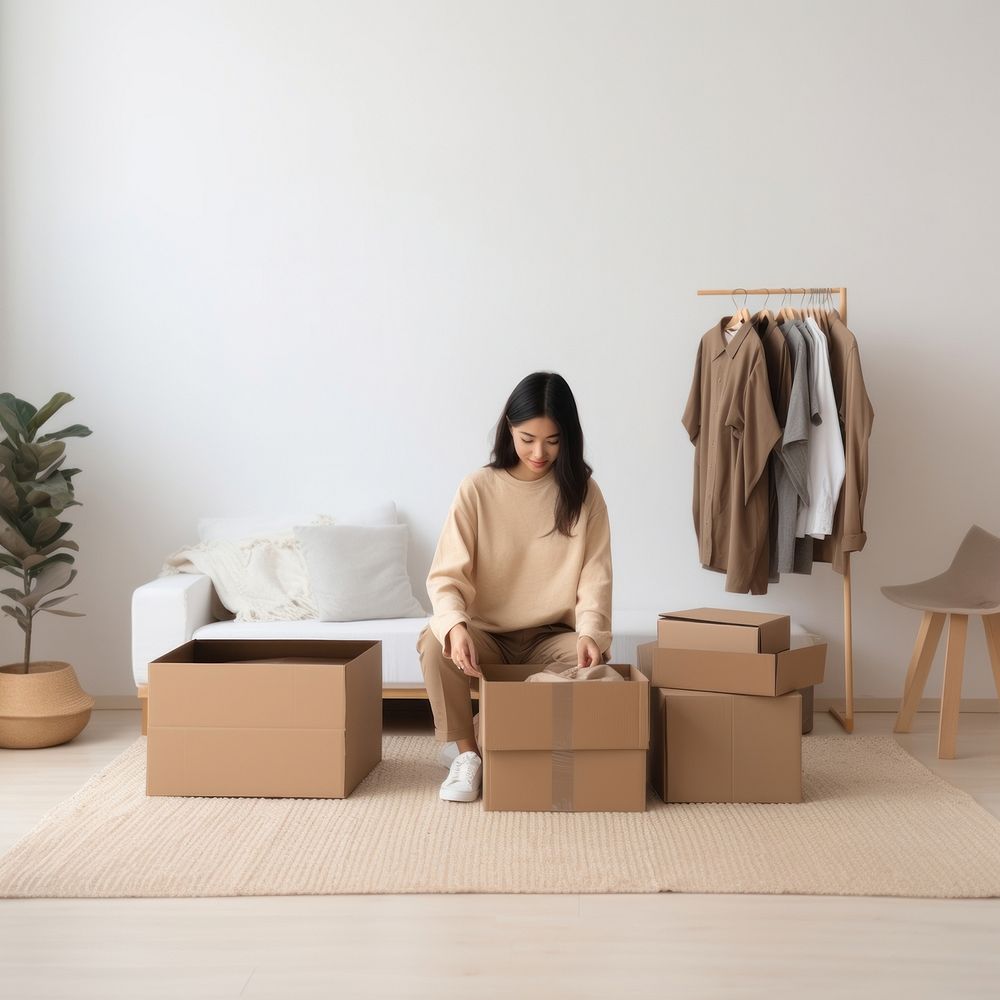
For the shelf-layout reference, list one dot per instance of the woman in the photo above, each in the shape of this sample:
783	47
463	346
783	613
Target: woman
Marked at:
522	571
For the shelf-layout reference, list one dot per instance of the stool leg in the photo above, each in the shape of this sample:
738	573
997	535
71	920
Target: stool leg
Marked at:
951	693
928	636
991	626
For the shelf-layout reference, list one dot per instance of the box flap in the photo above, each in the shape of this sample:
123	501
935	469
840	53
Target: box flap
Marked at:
267	650
247	695
802	667
723	616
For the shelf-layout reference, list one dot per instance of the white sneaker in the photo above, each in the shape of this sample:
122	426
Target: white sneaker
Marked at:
465	778
447	755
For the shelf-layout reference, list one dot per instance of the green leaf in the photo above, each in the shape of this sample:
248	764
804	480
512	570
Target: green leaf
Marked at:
44	454
68	614
9	562
45	605
8	495
35	564
10	423
52	578
64	543
54	492
14	542
73	431
46	530
57	402
13	518
50	472
17	614
24	410
13	594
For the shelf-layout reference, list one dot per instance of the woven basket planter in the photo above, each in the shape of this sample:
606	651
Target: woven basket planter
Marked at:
42	708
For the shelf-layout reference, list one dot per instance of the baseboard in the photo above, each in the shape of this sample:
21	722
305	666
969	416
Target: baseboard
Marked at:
119	702
987	705
116	702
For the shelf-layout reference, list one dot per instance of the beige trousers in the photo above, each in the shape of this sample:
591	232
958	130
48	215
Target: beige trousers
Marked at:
449	690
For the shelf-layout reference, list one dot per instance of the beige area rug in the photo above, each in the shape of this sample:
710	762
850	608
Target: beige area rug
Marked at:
876	822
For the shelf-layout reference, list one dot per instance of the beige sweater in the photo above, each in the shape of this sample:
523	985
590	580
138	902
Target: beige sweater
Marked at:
496	569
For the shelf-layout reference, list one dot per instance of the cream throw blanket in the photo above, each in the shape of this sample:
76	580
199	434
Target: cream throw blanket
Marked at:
260	579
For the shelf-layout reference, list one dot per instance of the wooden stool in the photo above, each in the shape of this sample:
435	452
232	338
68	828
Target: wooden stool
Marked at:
970	586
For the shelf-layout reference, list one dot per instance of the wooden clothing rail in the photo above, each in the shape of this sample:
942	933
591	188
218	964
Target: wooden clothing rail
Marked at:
845	718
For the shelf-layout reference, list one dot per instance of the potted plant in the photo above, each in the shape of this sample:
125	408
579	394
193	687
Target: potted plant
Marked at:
41	702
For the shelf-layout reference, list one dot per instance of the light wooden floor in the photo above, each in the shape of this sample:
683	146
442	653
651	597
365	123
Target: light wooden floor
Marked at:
680	946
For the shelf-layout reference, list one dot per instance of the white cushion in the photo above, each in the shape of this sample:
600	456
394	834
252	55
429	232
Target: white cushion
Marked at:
358	572
231	529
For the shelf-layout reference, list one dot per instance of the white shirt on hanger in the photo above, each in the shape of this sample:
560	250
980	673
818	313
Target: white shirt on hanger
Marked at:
826	445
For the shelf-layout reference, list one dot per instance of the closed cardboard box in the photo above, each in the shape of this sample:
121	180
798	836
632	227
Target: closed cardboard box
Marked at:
568	746
710	747
264	718
769	674
723	629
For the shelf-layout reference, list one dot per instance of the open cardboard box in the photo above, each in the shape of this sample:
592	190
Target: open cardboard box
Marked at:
264	717
570	746
769	674
648	652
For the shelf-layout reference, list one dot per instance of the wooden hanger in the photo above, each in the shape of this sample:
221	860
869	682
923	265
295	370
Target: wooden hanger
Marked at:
740	314
763	316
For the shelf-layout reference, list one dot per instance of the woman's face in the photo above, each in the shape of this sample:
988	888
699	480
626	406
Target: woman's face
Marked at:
536	442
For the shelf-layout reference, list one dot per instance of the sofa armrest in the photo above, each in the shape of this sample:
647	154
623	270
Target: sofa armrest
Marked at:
166	612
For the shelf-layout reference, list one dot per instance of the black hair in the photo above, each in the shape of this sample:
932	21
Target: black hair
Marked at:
546	394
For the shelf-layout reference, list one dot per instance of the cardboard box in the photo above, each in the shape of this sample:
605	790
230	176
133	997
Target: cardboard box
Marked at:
264	718
644	657
574	746
722	629
710	747
770	674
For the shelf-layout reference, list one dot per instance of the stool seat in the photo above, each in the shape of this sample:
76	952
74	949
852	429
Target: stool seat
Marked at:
939	593
970	586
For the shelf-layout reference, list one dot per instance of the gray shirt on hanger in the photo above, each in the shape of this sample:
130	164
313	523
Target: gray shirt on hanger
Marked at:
794	555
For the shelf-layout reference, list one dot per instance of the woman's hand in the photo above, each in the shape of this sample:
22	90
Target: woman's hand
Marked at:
463	651
588	654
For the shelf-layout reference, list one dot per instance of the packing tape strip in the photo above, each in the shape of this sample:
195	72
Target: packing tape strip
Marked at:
562	742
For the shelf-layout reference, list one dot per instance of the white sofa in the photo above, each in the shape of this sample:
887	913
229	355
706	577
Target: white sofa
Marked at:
171	610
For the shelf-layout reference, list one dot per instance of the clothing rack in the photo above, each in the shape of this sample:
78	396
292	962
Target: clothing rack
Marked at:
845	718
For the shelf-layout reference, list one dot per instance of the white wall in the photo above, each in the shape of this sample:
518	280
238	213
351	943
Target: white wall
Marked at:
286	252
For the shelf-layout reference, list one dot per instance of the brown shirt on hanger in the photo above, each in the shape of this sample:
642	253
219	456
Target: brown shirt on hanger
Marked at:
779	378
779	365
856	418
730	420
